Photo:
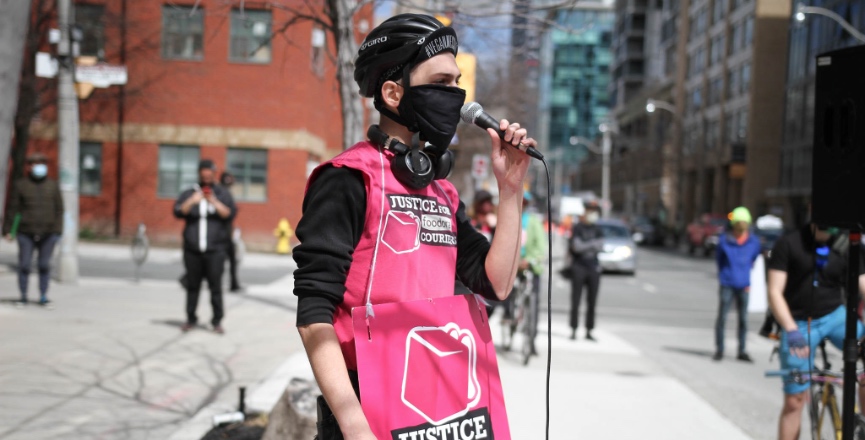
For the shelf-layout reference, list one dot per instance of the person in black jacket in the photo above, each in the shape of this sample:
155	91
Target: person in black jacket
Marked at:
208	210
227	180
587	240
36	215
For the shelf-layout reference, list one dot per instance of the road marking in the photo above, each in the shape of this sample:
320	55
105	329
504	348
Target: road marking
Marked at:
650	288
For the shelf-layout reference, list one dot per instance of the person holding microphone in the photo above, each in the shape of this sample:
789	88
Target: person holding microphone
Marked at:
359	208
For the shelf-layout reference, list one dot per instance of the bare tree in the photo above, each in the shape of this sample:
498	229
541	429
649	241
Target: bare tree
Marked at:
13	32
337	18
34	94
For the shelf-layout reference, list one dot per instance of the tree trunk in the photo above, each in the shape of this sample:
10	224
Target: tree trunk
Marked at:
346	50
14	22
294	415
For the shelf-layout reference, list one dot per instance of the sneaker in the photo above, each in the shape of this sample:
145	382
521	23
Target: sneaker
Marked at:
573	334
20	303
218	330
718	356
236	289
744	358
186	327
589	337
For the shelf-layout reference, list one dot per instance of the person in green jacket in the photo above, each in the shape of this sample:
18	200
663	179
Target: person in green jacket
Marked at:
35	219
532	255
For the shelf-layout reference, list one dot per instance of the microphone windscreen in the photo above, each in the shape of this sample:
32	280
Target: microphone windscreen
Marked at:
470	112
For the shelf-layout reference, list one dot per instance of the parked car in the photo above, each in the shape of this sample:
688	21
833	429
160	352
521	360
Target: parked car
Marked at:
703	234
647	231
619	254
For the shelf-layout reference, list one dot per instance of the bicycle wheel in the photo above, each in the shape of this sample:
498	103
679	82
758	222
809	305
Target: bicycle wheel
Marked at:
528	326
509	325
859	428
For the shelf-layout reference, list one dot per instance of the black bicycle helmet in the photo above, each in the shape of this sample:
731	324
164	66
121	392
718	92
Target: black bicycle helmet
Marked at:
401	41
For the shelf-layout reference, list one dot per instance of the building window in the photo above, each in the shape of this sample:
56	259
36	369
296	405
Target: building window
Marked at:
719	11
736	37
746	77
89	18
90	169
742	125
249	168
250	36
717	50
749	32
696	99
182	33
733	82
715	91
178	169
726	134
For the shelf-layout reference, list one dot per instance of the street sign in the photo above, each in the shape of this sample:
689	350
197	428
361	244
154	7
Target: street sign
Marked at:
101	75
480	164
46	65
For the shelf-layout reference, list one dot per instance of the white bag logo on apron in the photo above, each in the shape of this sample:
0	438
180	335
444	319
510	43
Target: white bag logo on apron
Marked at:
440	361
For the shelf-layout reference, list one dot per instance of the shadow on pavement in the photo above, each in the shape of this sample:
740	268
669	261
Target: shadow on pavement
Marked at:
690	351
171	322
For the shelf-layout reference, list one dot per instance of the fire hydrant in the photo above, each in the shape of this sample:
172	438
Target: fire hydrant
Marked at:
283	233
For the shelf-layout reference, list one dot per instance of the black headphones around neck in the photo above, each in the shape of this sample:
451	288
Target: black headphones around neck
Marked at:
412	166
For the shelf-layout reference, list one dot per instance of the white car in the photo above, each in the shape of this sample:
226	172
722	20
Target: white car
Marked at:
620	250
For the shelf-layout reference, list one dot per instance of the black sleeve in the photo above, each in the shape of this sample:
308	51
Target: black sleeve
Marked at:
180	199
228	200
472	250
329	229
780	255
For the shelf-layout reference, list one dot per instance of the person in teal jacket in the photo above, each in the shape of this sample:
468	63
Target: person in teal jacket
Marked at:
737	250
532	255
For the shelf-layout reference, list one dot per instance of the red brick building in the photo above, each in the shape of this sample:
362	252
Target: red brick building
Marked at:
247	88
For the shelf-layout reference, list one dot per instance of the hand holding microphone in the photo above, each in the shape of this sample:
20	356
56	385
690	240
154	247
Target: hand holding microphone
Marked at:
473	113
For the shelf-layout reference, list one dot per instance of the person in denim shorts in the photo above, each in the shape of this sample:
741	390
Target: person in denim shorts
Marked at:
806	279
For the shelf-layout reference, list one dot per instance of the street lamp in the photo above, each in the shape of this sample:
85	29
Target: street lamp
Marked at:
604	151
802	10
676	202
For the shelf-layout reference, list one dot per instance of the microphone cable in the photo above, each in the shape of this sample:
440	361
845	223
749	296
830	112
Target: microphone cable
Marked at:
549	291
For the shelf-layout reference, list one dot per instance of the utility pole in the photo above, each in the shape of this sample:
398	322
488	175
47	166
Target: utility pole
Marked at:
67	142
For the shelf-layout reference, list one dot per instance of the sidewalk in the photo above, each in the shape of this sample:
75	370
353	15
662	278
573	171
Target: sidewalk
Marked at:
109	362
603	390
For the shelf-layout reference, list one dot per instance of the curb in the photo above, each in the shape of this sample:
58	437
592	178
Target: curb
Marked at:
262	398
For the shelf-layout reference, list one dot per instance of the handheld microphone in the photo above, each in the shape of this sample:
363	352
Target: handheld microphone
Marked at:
473	113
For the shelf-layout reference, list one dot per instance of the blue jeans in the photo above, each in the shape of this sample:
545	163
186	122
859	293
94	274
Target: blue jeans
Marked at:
26	245
727	296
831	327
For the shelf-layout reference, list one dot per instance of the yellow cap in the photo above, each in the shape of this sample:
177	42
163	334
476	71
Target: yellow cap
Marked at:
740	214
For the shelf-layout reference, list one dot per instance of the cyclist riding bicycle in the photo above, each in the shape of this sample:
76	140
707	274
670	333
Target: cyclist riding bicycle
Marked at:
805	282
532	252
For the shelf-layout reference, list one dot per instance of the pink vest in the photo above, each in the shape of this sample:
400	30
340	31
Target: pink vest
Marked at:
408	247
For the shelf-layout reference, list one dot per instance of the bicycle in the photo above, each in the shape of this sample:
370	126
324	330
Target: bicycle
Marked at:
522	308
824	400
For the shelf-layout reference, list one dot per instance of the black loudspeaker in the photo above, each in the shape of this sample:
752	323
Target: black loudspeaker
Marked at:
838	173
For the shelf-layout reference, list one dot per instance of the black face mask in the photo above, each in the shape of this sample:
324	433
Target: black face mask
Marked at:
436	110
